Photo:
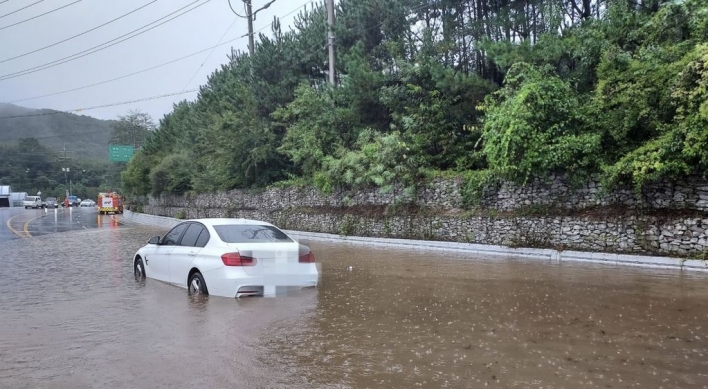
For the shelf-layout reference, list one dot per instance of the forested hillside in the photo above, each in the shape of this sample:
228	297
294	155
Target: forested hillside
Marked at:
32	156
488	89
85	136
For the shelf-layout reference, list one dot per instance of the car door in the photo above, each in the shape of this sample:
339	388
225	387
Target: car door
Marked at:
158	263
183	254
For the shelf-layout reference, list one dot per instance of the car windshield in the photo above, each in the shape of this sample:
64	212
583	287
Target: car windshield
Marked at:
51	199
250	233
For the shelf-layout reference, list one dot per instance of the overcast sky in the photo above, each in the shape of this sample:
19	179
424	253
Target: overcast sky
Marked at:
192	32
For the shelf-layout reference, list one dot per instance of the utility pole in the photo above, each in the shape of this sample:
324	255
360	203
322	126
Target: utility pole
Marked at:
65	158
330	39
249	15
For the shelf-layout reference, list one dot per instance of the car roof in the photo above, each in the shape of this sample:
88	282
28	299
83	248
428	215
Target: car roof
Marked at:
226	221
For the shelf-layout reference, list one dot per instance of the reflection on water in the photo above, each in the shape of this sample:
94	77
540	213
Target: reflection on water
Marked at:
405	319
73	316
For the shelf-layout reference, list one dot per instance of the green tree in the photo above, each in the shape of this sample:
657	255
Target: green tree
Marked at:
534	126
132	129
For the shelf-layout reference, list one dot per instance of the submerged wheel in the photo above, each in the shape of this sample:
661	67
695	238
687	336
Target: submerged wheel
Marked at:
139	270
196	284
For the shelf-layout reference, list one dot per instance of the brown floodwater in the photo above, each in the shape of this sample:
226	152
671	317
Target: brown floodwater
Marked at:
72	316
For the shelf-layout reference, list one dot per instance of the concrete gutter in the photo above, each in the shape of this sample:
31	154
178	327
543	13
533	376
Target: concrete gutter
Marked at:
468	248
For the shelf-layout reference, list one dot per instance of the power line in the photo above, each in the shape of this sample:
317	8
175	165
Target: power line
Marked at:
286	15
105	45
4	1
99	106
233	10
124	76
18	10
156	66
210	53
77	35
40	15
56	136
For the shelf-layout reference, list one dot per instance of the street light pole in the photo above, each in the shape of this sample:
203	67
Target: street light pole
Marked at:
66	180
330	40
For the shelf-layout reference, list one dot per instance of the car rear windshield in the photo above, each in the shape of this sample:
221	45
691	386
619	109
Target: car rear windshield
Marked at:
51	199
30	198
250	233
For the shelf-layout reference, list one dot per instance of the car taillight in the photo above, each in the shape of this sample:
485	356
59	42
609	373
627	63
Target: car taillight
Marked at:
307	258
236	259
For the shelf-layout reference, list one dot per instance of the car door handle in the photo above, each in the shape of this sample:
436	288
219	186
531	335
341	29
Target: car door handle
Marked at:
192	253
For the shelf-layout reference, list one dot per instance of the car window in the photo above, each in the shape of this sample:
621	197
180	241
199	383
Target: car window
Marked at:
250	233
173	236
203	238
191	235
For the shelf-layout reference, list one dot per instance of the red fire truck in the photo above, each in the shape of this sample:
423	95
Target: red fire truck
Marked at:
110	202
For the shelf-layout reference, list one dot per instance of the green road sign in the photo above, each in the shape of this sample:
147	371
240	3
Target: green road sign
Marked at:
120	153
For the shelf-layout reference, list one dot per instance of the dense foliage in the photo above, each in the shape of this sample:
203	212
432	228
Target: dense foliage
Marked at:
489	89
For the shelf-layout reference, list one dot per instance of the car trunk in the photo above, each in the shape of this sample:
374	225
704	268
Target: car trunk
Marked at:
272	259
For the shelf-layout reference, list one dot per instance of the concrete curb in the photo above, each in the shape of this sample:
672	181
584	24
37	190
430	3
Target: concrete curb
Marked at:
469	248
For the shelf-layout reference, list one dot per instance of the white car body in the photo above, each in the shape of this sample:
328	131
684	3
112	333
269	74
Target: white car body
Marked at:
272	259
32	202
87	203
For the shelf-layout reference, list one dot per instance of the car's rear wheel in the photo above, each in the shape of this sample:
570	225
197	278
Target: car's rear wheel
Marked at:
197	285
139	270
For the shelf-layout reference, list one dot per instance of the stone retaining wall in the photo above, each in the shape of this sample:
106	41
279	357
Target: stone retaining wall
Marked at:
679	230
477	250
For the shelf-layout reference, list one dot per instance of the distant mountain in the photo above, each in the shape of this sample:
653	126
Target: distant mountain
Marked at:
84	137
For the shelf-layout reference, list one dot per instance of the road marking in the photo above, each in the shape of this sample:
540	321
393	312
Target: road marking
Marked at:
26	226
9	227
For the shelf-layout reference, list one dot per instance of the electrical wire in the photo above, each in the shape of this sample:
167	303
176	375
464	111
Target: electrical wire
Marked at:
38	16
57	136
210	53
105	45
234	11
77	35
156	66
98	106
124	76
18	10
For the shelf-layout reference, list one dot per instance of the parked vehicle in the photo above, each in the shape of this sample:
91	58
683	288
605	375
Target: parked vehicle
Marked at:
32	202
51	202
227	257
87	203
74	201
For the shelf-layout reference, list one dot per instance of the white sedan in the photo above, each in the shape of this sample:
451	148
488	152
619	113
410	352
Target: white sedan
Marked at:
227	257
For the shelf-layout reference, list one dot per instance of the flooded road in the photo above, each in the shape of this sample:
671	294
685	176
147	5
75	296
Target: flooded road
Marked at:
74	317
17	223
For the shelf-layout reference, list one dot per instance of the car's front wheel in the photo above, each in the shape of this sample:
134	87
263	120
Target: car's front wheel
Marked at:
139	270
197	285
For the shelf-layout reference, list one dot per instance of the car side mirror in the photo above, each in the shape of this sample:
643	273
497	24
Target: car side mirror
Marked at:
154	240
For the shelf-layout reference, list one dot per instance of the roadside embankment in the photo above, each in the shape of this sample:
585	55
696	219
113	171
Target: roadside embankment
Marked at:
469	248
